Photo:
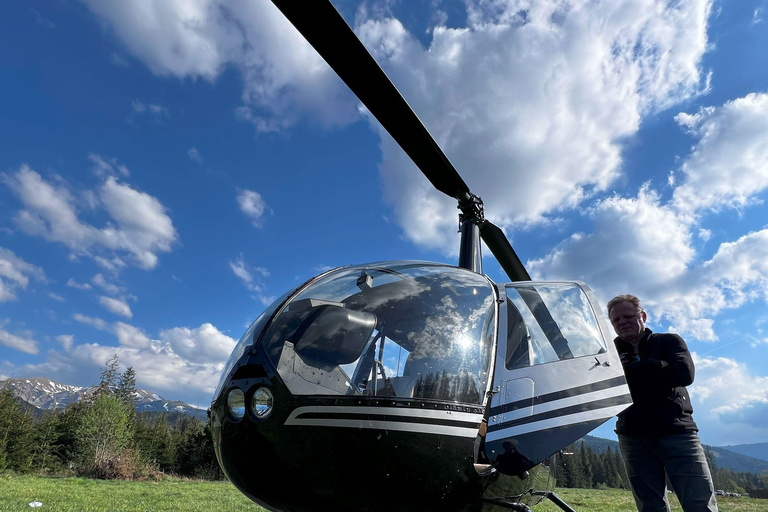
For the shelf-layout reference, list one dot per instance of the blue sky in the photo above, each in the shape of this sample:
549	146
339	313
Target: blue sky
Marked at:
169	167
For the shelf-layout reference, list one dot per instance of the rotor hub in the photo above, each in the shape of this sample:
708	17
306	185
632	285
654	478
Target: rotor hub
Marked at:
472	209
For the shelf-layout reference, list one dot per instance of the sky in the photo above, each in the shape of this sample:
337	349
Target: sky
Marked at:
169	167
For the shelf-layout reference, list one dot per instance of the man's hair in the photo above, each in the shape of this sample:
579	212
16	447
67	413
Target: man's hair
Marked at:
625	298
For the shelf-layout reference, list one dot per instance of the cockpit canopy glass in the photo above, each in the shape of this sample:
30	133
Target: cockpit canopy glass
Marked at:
549	322
248	339
412	330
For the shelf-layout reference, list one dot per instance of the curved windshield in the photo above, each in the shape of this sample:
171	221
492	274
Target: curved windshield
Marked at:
247	339
412	330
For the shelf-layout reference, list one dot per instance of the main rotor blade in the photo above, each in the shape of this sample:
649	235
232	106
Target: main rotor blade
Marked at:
324	28
497	242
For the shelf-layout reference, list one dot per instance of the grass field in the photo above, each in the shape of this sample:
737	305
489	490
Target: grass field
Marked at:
84	495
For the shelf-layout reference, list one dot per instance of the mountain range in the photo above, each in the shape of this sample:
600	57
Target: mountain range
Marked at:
44	395
728	457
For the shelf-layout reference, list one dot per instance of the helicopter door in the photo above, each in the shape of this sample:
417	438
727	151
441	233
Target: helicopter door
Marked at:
557	374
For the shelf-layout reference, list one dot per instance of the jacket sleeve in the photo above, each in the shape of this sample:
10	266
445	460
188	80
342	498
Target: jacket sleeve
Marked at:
679	370
674	368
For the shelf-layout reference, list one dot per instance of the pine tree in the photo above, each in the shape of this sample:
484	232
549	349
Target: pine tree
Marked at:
586	465
561	470
611	472
46	438
573	472
16	434
8	413
125	391
107	380
718	478
622	471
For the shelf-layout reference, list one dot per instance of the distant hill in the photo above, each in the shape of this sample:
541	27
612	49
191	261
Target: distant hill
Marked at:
599	445
758	450
44	395
725	457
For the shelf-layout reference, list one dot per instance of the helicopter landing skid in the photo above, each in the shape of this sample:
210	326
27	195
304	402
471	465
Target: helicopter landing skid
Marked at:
521	507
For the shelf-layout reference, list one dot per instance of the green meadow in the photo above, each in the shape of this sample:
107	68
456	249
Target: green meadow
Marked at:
90	495
177	495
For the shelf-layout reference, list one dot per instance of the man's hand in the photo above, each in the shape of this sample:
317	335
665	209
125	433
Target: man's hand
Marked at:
647	365
628	357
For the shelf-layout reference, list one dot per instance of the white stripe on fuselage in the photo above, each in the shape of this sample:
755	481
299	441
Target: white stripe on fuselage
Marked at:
472	419
558	421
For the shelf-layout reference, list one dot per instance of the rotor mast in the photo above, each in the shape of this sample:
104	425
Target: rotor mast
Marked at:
471	218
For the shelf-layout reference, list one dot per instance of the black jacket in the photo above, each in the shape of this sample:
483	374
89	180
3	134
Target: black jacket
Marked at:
657	379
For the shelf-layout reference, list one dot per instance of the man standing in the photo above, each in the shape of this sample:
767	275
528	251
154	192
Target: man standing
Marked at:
657	434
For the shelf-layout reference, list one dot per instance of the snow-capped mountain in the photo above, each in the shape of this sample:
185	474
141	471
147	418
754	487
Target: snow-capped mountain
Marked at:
46	394
43	393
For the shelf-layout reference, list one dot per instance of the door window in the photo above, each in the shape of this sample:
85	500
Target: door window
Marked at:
549	322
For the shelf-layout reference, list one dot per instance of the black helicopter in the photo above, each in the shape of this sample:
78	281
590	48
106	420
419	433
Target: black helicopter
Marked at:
407	385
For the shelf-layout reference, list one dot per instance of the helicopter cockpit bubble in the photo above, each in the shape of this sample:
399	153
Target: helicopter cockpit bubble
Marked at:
387	365
413	331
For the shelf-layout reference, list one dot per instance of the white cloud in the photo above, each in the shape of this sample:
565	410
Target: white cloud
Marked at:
66	341
97	323
728	165
130	336
184	364
143	228
127	335
57	298
252	205
650	246
118	307
157	112
114	264
15	274
531	100
105	166
23	344
100	281
642	246
205	343
283	76
80	286
251	278
728	394
194	155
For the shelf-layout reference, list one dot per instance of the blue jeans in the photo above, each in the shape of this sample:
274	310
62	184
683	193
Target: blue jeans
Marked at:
681	458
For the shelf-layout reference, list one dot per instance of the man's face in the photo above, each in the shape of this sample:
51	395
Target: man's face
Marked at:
628	323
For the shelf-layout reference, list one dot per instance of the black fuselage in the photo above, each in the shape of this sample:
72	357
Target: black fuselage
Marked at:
305	467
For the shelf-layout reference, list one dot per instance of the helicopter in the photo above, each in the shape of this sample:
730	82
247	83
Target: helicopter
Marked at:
411	385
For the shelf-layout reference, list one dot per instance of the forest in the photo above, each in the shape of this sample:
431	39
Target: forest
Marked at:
578	466
103	437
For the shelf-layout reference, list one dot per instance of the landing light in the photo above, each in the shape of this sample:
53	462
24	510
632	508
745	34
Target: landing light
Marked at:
261	403
236	403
